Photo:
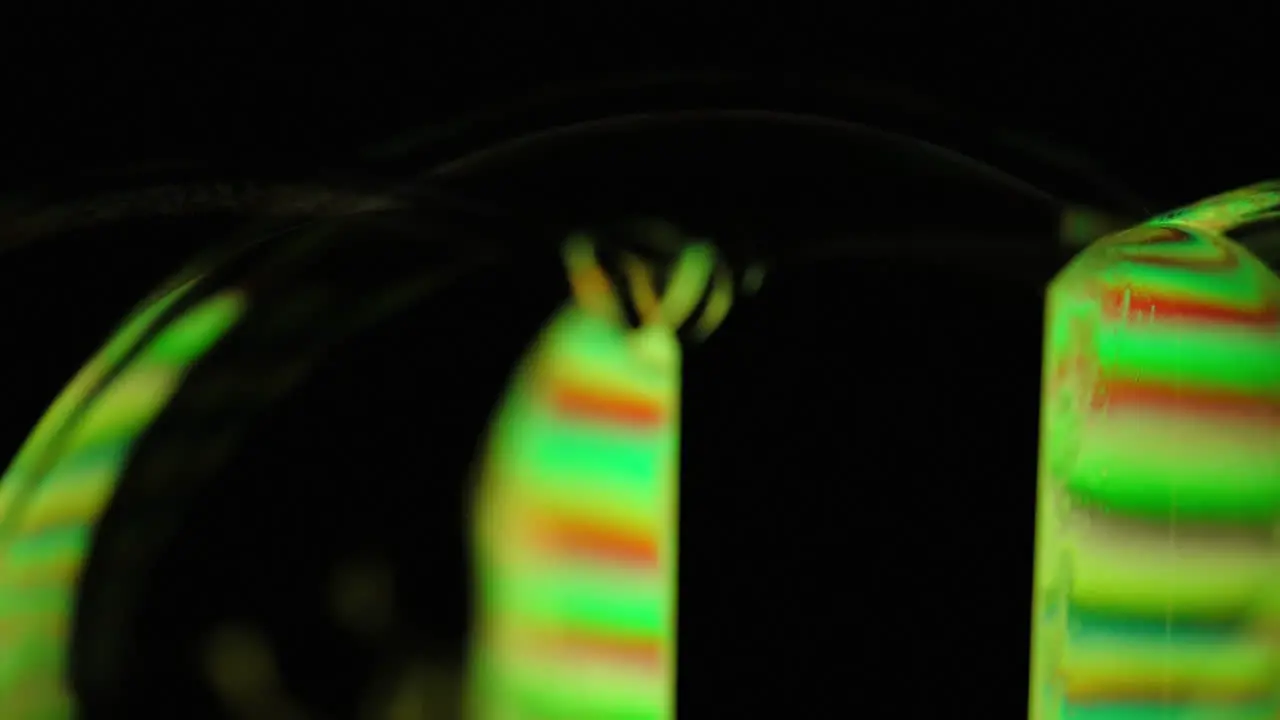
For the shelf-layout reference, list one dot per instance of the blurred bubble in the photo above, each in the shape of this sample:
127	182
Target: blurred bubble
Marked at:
415	691
362	596
240	665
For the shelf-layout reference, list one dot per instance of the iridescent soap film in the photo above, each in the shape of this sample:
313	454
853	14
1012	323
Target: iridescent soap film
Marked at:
1157	591
576	511
59	484
575	507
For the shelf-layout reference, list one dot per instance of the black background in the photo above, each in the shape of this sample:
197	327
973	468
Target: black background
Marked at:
860	467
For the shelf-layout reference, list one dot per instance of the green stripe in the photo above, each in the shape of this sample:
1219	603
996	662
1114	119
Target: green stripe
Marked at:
1245	489
1242	361
48	546
588	601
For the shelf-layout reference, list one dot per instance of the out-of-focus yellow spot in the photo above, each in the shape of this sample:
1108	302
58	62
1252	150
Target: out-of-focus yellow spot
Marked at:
419	691
362	596
752	279
240	666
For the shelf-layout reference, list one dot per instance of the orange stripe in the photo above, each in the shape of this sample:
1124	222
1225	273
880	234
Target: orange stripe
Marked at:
582	538
641	652
607	407
1137	689
1116	393
1120	303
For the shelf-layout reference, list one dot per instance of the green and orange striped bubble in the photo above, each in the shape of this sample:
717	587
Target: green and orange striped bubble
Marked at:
58	485
1158	560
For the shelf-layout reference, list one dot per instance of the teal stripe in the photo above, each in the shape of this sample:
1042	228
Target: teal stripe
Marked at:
1139	711
1092	625
106	450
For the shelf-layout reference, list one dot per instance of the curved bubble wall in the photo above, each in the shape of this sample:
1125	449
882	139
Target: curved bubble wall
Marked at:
1157	591
59	484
